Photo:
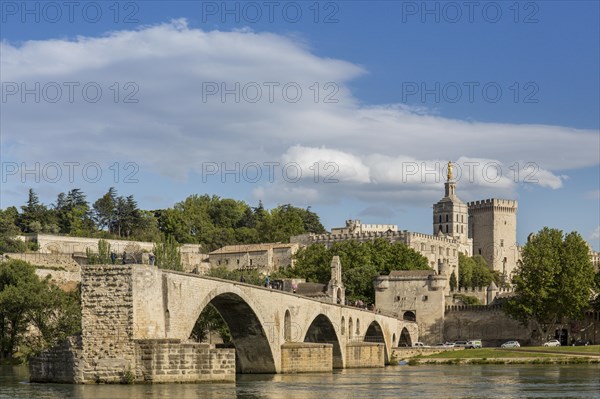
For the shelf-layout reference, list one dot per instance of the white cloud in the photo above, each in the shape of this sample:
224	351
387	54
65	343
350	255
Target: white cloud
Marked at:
595	236
177	125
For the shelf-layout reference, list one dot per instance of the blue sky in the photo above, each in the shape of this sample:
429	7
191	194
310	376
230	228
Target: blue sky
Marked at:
377	96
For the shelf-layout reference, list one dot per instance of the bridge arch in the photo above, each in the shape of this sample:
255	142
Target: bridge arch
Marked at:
375	334
405	338
322	330
253	351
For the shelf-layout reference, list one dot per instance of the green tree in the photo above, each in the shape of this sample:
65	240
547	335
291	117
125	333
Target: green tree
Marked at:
9	230
27	300
453	281
103	252
167	254
35	217
250	276
210	321
482	275
596	299
73	215
553	284
104	209
465	271
361	263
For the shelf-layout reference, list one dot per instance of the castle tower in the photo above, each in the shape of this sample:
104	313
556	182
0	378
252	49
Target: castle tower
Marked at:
493	228
450	214
335	288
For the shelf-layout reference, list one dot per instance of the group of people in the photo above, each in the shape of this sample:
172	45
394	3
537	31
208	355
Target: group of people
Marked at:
360	304
113	258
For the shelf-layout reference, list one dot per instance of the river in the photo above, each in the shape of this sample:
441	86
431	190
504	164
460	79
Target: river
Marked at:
463	381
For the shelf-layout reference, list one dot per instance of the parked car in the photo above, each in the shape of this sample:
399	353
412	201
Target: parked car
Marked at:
582	342
511	344
552	342
473	344
460	344
444	345
420	345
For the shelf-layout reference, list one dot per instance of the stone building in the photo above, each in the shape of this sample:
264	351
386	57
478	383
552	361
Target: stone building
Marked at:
437	249
266	258
451	217
355	226
414	295
52	247
493	228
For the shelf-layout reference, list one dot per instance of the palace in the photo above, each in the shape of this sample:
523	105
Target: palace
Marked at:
487	228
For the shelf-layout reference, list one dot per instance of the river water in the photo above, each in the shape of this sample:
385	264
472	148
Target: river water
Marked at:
459	381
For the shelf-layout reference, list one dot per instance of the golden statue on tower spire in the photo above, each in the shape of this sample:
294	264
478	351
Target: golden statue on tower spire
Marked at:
449	170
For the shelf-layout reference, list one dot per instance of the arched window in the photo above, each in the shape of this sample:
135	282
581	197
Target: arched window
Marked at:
343	324
446	218
350	325
409	316
357	328
440	219
446	228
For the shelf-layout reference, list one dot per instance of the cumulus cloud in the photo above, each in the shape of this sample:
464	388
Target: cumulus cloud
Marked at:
174	98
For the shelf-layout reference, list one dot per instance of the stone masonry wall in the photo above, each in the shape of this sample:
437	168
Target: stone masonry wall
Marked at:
170	360
365	354
107	323
303	357
488	323
61	364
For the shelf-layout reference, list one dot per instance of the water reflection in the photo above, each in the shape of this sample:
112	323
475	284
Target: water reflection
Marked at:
489	381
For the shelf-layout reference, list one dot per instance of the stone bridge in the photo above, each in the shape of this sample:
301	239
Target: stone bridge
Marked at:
137	320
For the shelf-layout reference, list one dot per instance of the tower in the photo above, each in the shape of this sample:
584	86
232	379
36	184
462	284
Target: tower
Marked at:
493	228
450	214
336	288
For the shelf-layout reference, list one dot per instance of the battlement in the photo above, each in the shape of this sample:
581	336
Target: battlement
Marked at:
473	308
404	236
493	204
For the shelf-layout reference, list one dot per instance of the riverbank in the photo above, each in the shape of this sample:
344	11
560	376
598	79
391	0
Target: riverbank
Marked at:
533	355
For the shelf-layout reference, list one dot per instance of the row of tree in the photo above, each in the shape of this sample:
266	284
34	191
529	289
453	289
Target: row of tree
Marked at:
34	313
199	219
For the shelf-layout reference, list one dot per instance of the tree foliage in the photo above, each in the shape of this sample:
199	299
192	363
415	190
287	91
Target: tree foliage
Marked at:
27	300
168	255
102	257
199	219
210	321
473	272
361	263
453	281
555	280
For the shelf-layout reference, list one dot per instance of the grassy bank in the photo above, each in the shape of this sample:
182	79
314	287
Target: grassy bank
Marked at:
528	355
